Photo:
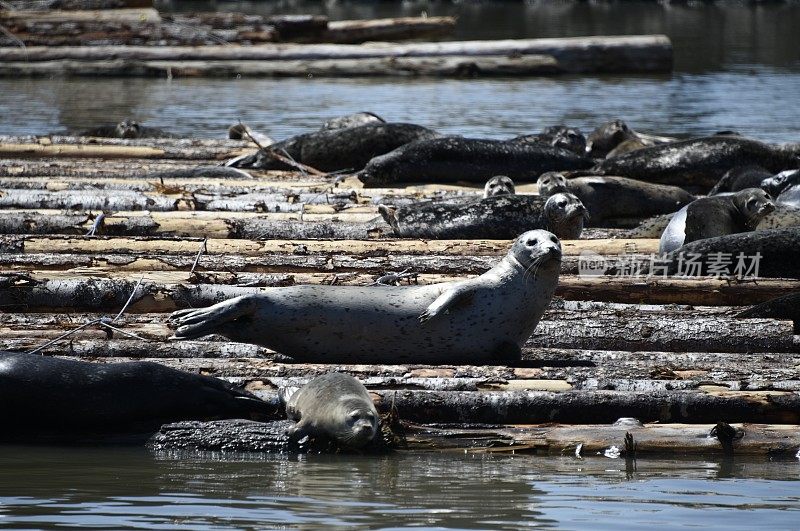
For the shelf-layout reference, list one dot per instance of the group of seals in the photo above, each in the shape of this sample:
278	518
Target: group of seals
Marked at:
496	217
483	319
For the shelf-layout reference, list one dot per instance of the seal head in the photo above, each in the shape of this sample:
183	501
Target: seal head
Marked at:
754	204
566	214
776	184
565	137
499	185
128	129
551	183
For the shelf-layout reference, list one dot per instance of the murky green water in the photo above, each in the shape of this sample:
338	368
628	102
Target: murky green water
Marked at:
129	488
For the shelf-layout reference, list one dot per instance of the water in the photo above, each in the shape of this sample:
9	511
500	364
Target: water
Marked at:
128	488
737	66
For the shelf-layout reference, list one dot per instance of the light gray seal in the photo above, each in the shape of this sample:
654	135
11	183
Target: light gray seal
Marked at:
352	120
616	198
499	185
485	319
784	187
333	406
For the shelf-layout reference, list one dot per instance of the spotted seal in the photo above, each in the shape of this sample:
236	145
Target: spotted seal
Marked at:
559	136
784	187
500	217
608	136
453	159
352	120
333	406
718	215
499	185
696	162
485	319
53	398
782	216
348	148
615	198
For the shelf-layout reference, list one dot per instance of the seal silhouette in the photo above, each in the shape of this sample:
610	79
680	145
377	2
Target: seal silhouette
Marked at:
333	406
482	319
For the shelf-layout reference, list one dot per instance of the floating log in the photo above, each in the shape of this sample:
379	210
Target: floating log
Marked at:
387	29
648	53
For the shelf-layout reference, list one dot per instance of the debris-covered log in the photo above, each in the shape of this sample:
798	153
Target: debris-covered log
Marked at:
223	436
590	407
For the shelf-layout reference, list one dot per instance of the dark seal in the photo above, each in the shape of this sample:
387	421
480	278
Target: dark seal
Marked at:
333	406
720	215
501	217
739	178
479	320
350	148
561	136
610	135
610	198
47	398
454	159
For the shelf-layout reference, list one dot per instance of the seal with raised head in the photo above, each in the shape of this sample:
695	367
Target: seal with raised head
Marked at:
485	319
740	178
616	198
337	149
697	162
777	252
352	120
499	185
784	187
608	136
333	406
500	217
452	159
719	215
54	398
559	136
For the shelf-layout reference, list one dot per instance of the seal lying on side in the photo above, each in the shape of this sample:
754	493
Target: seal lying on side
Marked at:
453	159
126	129
717	215
499	185
778	251
333	406
784	187
480	320
352	120
608	136
700	162
337	149
501	217
616	197
45	397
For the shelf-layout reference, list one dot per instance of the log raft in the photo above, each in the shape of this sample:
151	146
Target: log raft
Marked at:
669	351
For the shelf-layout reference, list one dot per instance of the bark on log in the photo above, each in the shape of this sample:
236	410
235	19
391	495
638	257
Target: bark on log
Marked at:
387	29
223	436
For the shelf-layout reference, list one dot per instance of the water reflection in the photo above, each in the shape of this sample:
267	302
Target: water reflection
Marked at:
123	487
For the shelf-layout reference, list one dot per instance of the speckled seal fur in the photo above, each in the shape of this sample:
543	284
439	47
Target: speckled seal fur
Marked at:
333	406
485	319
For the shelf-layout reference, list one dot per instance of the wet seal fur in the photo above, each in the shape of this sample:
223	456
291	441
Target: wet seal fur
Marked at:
616	197
485	319
455	159
349	148
501	217
499	185
46	398
779	250
784	187
700	161
333	406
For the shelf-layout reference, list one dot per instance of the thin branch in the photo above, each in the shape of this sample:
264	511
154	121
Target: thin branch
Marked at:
64	335
129	300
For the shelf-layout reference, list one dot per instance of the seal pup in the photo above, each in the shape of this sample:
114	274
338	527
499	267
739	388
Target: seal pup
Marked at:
352	120
699	162
500	217
740	178
616	198
784	187
778	251
719	215
499	185
333	406
485	319
65	399
453	159
337	149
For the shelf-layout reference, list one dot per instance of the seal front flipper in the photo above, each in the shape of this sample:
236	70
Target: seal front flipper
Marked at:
204	321
449	300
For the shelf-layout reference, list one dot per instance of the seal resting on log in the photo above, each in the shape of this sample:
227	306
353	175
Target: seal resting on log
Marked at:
698	162
453	159
333	406
485	319
716	215
616	197
352	120
47	398
348	148
778	251
501	217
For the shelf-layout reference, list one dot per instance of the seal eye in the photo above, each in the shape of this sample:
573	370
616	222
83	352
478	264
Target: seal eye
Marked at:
531	243
553	239
562	203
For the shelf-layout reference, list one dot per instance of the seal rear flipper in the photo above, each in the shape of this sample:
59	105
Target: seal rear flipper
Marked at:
447	301
205	321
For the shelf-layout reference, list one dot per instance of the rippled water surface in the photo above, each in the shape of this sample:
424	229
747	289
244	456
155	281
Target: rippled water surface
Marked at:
127	488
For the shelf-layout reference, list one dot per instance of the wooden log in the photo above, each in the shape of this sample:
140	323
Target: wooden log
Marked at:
387	29
80	4
222	145
116	151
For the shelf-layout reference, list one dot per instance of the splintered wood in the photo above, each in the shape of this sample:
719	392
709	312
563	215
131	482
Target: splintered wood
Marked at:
172	224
